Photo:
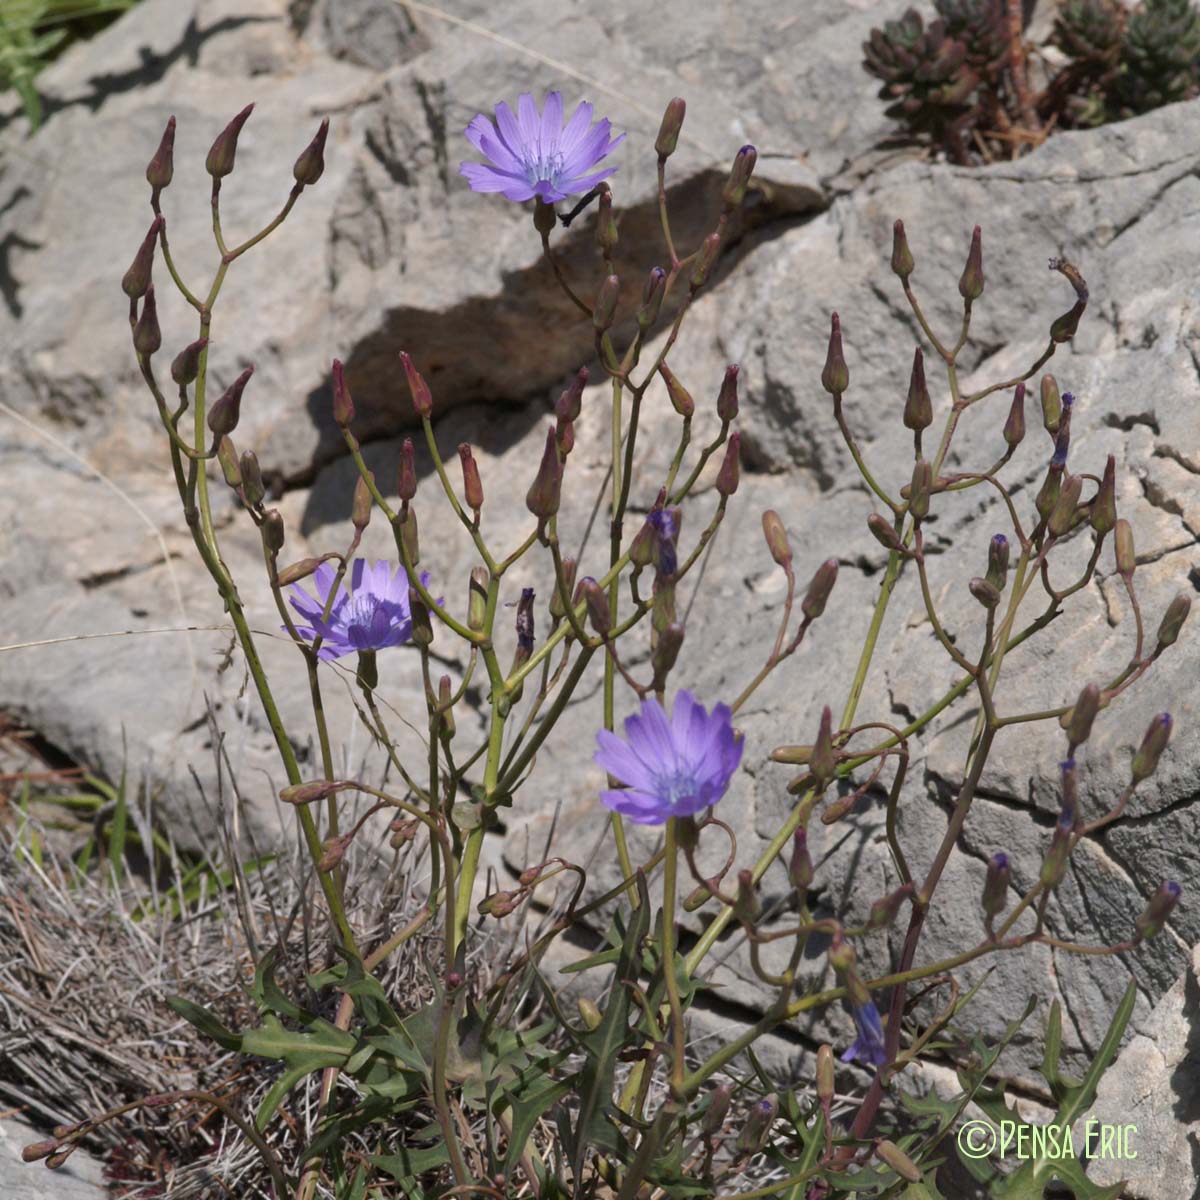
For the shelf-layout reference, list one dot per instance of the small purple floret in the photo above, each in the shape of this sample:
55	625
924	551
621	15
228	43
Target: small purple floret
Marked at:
374	614
534	155
868	1047
672	767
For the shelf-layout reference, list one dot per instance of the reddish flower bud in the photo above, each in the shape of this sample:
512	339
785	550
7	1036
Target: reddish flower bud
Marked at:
252	480
643	549
137	279
1173	619
835	378
681	398
224	415
984	592
997	570
757	1126
718	1108
605	309
800	867
902	259
1062	517
1054	865
161	167
273	531
220	158
995	885
1145	761
472	486
558	608
1123	548
543	496
823	762
1104	506
228	460
335	850
606	225
310	166
819	588
652	298
730	472
1161	905
343	403
360	508
970	285
36	1151
727	398
881	529
298	570
570	402
306	793
706	259
1014	426
777	538
918	409
407	473
919	489
1051	405
734	191
597	605
185	366
418	389
1077	721
147	337
668	131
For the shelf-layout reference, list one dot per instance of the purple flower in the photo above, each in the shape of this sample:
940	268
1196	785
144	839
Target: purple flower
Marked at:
673	767
868	1047
534	155
372	615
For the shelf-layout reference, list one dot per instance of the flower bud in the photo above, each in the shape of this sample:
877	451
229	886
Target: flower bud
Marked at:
881	529
997	568
800	867
757	1126
1161	905
826	1068
335	850
970	285
472	486
418	389
1104	506
883	911
841	955
220	158
147	337
589	1012
36	1151
544	493
1064	327
891	1155
225	414
569	404
409	535
777	538
734	191
987	594
1062	516
477	598
605	308
824	758
1145	761
57	1159
606	225
1051	405
819	588
1014	425
137	279
1047	497
597	605
718	1108
681	399
919	489
918	409
301	569
407	481
343	404
500	904
995	885
228	460
1173	619
792	754
422	626
310	166
665	652
835	378
705	260
902	259
746	905
668	131
1054	865
729	474
1078	720
273	532
360	508
644	547
161	167
306	793
252	480
1123	548
185	366
652	298
727	399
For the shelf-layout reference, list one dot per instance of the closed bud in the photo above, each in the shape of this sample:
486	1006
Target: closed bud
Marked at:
1064	327
252	480
544	217
343	404
668	131
418	389
310	166
220	158
987	594
409	536
36	1151
147	337
918	408
606	225
407	474
273	531
228	459
835	378
730	472
1145	761
824	758
826	1070
681	399
589	1012
1047	496
706	259
225	414
919	489
1077	721
472	486
544	494
777	538
902	259
891	1155
727	398
298	570
59	1157
1123	548
757	1126
500	904
137	279
477	598
1161	905
643	550
881	529
360	508
793	755
422	626
970	285
1051	405
569	404
718	1108
162	166
1014	425
1054	865
819	588
564	437
739	178
841	955
307	793
185	366
605	308
1173	619
652	297
746	905
597	605
335	850
1104	506
997	568
558	609
1062	516
665	652
995	885
883	911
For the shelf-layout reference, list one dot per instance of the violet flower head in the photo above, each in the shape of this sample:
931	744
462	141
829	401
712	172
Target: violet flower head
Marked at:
868	1047
533	155
372	615
673	767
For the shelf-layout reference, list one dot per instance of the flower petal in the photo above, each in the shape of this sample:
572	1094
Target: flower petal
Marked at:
529	121
640	807
510	131
620	761
484	178
552	126
576	129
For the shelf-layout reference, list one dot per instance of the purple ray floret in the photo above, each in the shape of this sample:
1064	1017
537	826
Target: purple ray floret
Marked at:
672	767
868	1047
531	154
372	615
